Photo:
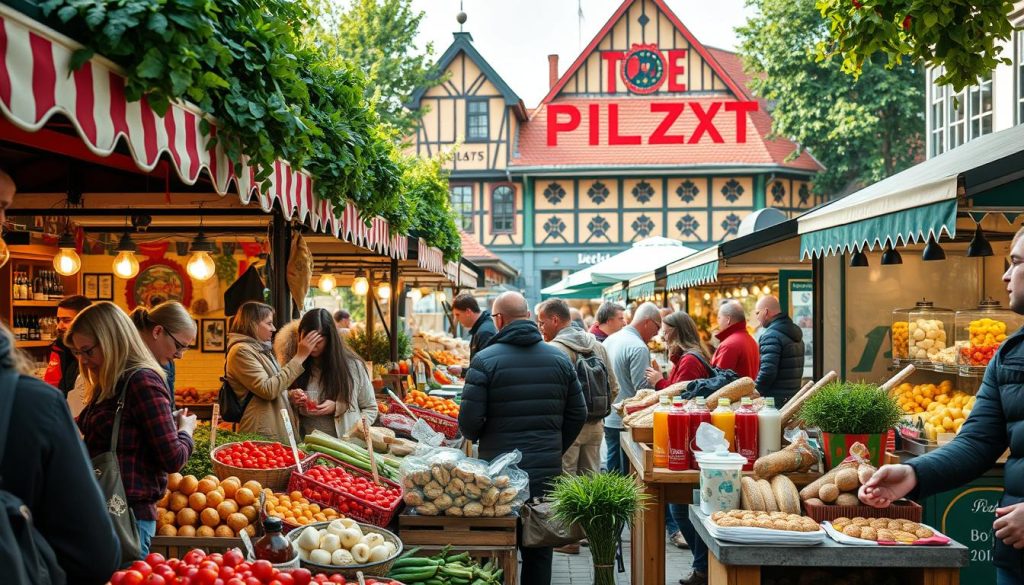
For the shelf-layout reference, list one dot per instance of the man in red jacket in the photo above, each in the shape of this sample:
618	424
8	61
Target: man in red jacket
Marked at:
737	350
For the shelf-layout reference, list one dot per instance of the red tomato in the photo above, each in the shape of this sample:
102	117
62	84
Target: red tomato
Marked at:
132	577
154	579
117	578
227	572
233	558
301	576
234	581
194	557
206	576
337	579
253	581
154	559
285	578
263	570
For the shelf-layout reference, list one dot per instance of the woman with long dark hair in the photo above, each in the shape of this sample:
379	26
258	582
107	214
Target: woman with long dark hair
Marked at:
689	357
336	392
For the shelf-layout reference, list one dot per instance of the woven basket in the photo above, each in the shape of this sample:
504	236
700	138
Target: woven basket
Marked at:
380	569
275	479
899	510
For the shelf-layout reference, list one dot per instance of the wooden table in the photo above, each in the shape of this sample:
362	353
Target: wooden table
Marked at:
740	564
664	487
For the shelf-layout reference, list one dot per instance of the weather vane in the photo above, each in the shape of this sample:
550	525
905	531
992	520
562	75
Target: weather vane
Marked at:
461	16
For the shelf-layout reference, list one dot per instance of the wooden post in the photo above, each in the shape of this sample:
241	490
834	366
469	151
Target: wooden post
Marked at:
280	242
396	296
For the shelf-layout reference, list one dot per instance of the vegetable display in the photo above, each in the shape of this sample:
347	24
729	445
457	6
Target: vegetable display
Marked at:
444	568
448	483
343	481
343	543
295	509
438	405
352	454
199	463
207	507
252	455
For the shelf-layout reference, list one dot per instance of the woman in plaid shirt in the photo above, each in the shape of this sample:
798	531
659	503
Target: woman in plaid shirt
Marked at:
153	440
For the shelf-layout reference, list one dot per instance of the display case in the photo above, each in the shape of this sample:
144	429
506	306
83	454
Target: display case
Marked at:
899	336
980	332
929	332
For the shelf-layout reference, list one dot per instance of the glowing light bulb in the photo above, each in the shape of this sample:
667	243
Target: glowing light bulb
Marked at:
415	294
200	266
126	265
327	282
744	292
67	262
383	291
360	286
707	296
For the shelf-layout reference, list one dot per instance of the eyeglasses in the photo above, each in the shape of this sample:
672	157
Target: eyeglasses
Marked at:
494	316
87	352
179	347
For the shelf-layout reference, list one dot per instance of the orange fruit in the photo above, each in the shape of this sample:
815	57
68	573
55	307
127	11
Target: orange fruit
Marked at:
210	517
223	531
162	502
206	485
230	486
197	501
187	531
249	512
296	495
237	522
188	485
227	508
168	517
245	496
187	517
167	530
253	486
177	501
204	532
214	498
173	480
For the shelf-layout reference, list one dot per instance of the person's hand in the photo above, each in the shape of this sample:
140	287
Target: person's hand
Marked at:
186	422
296	396
653	376
308	342
1009	525
888	484
324	408
455	370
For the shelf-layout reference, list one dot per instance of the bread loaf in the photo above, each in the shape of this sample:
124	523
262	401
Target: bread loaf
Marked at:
733	390
767	495
785	494
751	495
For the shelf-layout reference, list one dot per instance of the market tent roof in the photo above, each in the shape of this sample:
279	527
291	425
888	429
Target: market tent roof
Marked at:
700	268
910	206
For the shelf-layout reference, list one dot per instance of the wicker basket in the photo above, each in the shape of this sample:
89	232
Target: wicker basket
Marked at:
275	479
901	510
380	569
362	511
446	425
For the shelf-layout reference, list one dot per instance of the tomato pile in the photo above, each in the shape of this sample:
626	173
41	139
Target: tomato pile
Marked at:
359	487
249	455
229	568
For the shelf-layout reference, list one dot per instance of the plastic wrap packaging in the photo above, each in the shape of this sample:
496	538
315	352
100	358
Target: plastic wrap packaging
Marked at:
442	481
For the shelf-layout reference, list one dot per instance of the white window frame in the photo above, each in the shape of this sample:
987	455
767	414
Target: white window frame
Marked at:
464	215
1019	70
960	114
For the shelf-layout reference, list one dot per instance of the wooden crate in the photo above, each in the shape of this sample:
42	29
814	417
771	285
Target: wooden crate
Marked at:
441	530
643	434
176	546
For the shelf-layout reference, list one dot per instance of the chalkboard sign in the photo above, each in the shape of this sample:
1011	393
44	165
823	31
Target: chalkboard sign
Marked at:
966	515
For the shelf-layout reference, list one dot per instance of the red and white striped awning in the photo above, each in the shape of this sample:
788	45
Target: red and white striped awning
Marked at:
36	83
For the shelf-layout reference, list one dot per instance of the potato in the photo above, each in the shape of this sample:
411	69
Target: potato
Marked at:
413	498
427	509
489	497
433	490
473	509
443	502
828	493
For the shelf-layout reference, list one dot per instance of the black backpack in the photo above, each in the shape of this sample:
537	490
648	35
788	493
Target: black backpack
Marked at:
597	391
717	379
231	408
24	553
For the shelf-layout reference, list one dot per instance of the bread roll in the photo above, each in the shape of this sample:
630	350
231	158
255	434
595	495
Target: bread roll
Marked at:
751	495
786	496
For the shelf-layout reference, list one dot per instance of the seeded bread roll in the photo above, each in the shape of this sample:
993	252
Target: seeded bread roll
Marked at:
767	495
751	495
786	495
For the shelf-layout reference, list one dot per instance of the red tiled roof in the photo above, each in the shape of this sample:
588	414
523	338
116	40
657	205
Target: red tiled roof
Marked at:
635	118
474	250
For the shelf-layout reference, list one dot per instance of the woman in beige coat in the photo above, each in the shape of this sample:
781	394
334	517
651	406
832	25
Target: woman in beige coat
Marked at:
255	375
334	392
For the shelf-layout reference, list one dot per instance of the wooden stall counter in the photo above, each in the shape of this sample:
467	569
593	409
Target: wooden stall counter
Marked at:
744	564
664	487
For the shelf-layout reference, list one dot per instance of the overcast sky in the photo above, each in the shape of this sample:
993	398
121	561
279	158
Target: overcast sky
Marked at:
515	36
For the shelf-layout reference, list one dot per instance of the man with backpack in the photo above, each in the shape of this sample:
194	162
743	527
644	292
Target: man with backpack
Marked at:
590	361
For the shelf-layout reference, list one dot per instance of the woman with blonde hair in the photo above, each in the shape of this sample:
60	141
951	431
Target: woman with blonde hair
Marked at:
168	331
120	372
254	374
334	392
690	360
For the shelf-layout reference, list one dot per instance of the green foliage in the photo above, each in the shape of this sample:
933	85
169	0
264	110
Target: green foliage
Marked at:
276	88
378	36
199	463
862	130
377	348
851	408
601	504
960	36
426	201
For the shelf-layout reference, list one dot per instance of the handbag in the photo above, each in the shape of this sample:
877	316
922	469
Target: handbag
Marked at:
108	476
541	529
231	408
717	379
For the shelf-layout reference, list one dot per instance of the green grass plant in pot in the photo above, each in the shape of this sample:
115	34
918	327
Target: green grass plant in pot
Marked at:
601	504
848	412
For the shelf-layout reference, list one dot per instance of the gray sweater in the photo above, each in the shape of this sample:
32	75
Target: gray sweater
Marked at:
630	358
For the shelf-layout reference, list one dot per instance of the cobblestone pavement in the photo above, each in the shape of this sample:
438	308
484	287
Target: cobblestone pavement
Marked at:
577	569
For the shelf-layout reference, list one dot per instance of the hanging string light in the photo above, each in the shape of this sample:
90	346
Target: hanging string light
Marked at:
67	261
383	289
126	265
360	286
200	265
327	281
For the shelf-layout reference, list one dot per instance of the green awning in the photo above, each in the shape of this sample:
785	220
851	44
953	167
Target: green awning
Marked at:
697	275
895	228
642	291
615	294
588	291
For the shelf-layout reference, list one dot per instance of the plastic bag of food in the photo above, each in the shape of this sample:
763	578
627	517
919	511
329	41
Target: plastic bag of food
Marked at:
400	423
512	483
425	477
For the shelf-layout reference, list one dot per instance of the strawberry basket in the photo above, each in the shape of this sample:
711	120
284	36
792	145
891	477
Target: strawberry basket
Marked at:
446	425
346	501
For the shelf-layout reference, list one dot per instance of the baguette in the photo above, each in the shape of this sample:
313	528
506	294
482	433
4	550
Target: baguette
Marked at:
751	495
785	494
733	391
797	456
792	407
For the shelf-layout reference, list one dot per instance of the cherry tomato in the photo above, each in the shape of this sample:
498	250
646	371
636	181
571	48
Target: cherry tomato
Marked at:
285	578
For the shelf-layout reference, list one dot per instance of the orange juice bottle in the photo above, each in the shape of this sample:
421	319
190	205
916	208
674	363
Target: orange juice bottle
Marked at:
661	432
724	418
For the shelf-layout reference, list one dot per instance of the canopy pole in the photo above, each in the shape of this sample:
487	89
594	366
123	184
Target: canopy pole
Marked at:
280	241
396	295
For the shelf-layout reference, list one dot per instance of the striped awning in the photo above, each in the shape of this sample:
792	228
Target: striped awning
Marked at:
614	294
700	268
36	83
641	291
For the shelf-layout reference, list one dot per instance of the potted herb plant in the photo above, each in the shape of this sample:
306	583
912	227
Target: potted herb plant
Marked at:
847	413
601	504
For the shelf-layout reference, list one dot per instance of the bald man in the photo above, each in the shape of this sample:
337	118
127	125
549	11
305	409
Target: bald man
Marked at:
522	393
737	350
782	352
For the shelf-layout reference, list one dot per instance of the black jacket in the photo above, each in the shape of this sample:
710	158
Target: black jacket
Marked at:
45	464
482	332
995	423
522	393
782	360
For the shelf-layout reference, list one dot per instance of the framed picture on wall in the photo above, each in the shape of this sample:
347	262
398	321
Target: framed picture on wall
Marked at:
91	286
214	335
106	287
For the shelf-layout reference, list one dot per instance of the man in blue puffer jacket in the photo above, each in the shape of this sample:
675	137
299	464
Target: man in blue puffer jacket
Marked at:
995	423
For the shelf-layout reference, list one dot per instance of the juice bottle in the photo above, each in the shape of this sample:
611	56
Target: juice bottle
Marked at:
678	436
698	413
273	546
769	428
661	432
724	418
746	433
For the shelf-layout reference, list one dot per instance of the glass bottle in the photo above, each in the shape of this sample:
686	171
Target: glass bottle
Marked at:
661	432
725	419
273	547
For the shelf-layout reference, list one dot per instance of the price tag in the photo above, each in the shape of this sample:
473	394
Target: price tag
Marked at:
214	419
291	437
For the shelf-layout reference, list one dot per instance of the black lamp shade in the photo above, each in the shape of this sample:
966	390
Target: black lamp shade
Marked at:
126	244
933	251
979	246
891	256
859	259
